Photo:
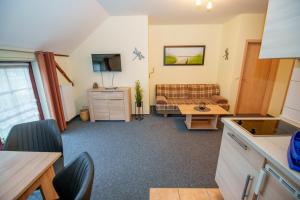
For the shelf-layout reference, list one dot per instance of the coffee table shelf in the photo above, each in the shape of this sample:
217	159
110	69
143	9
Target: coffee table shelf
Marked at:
202	120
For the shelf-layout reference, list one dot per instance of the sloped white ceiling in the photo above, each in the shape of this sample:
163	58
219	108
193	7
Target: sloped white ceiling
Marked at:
184	11
48	25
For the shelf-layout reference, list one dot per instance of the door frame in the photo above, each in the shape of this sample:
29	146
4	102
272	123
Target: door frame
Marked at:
270	85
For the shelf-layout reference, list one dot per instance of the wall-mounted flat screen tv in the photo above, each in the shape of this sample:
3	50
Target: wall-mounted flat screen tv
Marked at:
106	62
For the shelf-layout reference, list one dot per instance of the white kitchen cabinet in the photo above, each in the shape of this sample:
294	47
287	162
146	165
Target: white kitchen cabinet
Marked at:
274	185
282	29
291	108
274	191
238	167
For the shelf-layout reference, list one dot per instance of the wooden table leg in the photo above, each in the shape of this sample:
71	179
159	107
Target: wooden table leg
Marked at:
188	121
214	122
45	184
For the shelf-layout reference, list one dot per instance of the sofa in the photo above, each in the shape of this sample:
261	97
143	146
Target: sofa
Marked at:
168	96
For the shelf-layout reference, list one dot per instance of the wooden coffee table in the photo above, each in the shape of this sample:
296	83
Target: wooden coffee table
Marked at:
202	119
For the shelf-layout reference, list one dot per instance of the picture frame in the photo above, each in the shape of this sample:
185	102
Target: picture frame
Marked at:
184	55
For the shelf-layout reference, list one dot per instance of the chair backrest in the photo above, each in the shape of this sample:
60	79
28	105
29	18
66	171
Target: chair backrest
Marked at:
75	181
40	136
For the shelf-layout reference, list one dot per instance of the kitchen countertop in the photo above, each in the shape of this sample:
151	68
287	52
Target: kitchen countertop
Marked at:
273	148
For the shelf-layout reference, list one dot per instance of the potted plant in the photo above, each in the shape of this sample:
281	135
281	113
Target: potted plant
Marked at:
138	99
1	143
138	94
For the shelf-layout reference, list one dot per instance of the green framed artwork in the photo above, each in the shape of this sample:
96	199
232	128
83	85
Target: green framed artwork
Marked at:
184	55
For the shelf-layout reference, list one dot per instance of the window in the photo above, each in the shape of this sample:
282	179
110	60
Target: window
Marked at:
18	100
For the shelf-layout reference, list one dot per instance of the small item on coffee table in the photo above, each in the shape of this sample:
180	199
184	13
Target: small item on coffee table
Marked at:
202	106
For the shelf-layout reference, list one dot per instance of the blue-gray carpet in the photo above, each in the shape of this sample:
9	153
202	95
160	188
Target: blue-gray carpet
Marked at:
132	157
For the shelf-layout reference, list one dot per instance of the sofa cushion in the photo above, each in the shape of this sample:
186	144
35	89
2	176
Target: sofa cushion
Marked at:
172	90
197	91
225	106
207	101
172	103
180	101
166	107
219	99
161	100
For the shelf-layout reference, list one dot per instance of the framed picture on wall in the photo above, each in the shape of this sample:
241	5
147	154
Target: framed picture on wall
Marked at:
184	55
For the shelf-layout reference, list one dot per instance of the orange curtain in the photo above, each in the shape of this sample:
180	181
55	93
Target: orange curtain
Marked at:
47	68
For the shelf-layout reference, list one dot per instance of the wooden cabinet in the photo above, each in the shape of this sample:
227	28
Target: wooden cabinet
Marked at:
110	104
238	167
114	109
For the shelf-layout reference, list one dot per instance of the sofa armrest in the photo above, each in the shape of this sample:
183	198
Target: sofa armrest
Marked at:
161	100
219	99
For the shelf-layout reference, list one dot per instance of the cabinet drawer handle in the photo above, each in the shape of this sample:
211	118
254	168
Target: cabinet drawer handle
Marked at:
248	180
237	140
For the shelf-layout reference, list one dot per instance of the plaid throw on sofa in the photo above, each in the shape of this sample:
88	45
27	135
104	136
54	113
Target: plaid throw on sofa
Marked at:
203	90
177	91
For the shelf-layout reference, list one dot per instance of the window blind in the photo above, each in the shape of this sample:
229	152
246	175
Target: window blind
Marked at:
17	100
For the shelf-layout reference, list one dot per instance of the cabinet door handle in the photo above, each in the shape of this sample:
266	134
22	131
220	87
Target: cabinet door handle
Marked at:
237	140
248	180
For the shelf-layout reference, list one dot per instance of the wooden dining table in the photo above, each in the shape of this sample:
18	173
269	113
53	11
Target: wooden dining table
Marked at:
21	173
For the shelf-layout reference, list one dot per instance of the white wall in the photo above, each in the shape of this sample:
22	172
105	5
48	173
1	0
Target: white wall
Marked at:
66	64
232	35
53	25
235	33
281	84
118	34
162	35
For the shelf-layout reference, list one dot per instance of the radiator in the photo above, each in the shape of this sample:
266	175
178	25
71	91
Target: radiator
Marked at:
68	102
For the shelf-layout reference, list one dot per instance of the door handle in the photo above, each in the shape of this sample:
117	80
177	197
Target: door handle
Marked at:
259	183
237	140
247	183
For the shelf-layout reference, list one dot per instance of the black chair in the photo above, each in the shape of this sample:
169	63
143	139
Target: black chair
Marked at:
75	181
40	136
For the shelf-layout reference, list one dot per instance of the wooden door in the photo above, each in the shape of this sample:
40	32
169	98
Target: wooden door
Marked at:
256	83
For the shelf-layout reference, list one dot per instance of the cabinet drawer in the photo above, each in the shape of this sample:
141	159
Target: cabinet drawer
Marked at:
107	95
100	105
116	108
101	115
117	116
98	95
239	145
114	95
